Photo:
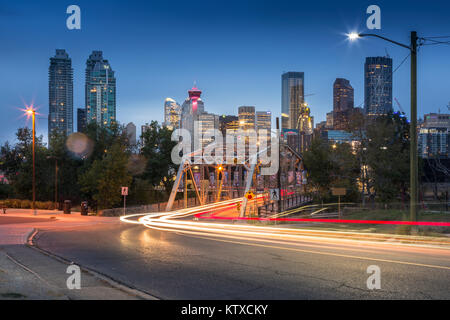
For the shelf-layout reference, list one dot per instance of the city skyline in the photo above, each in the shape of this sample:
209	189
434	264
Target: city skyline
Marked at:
252	80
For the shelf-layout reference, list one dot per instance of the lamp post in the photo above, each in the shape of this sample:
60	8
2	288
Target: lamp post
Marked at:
414	176
32	112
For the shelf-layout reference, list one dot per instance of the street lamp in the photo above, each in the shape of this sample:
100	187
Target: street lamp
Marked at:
31	112
414	176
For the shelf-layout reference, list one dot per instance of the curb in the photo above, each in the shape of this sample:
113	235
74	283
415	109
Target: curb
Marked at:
112	282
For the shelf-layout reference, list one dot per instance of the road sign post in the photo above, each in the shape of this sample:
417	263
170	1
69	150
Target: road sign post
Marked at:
339	192
124	193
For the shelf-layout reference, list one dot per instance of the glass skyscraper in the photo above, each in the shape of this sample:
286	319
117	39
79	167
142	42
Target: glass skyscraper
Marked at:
377	86
247	118
100	90
292	98
343	103
60	88
172	114
81	120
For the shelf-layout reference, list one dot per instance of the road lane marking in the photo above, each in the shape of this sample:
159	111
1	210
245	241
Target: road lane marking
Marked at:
328	253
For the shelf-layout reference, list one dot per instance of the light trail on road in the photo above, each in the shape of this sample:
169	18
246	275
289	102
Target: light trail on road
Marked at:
323	239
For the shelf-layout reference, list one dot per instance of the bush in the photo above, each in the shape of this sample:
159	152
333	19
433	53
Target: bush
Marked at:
26	204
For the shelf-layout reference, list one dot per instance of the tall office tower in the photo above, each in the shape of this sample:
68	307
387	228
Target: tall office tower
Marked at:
81	120
292	99
130	129
60	94
343	103
206	121
377	86
144	129
329	121
172	114
100	90
228	123
191	108
247	118
264	120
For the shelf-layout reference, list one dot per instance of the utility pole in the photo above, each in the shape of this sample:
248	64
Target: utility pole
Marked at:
413	130
279	165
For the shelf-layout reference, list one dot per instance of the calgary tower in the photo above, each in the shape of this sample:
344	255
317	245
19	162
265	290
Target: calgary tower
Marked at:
194	96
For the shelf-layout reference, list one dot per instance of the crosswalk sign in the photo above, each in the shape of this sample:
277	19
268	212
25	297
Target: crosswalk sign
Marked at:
274	194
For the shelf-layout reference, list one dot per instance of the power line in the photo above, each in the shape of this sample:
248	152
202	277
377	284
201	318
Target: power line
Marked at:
436	37
434	42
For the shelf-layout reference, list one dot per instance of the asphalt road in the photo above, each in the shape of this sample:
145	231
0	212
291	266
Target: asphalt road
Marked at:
169	265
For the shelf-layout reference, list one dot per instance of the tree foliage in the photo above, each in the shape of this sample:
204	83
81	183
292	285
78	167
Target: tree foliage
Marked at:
95	175
388	156
157	150
331	165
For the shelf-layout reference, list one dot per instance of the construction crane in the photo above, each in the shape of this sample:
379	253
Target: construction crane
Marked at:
399	106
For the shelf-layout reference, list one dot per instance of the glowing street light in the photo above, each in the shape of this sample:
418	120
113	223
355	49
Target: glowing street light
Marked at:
32	112
353	36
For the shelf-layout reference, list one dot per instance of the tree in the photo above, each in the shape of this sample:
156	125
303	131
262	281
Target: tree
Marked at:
331	165
16	162
106	176
157	150
69	168
388	156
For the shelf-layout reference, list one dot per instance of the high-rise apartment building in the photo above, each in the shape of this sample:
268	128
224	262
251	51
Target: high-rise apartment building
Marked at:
264	120
343	103
130	129
206	122
60	88
377	86
81	120
172	114
100	90
228	123
434	143
292	99
247	117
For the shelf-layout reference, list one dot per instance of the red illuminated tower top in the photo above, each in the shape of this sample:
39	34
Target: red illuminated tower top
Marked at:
194	95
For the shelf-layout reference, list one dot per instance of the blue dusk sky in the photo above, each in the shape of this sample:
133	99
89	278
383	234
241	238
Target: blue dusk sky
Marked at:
236	51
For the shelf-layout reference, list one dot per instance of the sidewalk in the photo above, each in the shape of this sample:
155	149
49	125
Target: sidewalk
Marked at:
28	274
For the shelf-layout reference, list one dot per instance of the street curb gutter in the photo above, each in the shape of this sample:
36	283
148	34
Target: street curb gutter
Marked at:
112	282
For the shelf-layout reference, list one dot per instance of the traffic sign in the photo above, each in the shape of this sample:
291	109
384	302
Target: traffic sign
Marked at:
250	195
124	191
275	194
338	191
